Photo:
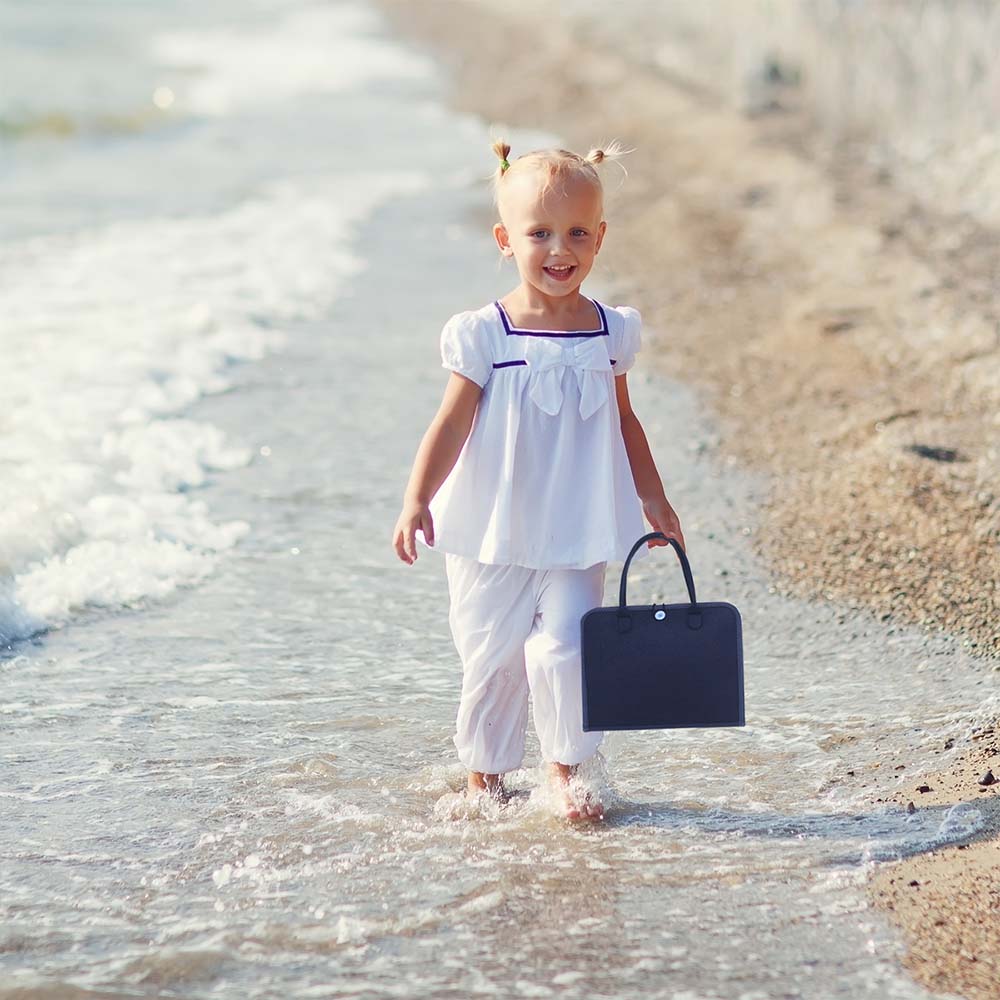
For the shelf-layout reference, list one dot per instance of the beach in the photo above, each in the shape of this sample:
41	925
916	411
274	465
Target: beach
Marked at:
845	332
230	236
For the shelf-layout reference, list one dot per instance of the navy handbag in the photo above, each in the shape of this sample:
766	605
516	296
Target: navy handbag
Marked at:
662	666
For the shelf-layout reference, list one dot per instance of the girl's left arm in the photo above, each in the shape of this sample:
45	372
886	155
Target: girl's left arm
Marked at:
648	485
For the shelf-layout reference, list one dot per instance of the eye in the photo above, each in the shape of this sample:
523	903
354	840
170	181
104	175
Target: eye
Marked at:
539	232
582	232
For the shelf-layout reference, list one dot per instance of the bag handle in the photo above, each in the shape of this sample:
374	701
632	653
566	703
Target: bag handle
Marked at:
688	578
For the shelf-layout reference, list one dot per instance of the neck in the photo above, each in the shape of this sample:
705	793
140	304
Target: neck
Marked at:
528	300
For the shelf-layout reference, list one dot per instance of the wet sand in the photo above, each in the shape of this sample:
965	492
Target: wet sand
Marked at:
947	901
845	335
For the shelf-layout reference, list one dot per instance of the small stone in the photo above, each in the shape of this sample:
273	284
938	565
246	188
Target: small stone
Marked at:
988	778
923	788
910	807
914	882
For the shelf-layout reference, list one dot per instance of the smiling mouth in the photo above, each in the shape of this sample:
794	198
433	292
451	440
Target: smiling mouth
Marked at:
560	272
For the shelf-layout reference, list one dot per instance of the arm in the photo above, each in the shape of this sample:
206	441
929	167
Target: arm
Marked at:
436	456
655	505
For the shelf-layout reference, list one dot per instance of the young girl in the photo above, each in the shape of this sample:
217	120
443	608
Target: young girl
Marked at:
534	473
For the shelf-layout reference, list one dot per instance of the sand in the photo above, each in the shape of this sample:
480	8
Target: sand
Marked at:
947	901
847	336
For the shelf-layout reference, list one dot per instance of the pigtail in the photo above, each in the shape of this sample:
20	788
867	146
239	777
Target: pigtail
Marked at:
613	150
501	149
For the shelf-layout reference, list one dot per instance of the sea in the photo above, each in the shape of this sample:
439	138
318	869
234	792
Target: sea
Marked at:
230	234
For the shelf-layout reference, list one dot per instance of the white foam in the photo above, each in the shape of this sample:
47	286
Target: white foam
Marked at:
961	820
138	320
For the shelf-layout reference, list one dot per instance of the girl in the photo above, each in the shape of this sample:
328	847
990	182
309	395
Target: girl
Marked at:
533	474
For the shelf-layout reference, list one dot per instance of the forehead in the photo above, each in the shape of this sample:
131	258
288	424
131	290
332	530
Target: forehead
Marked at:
522	198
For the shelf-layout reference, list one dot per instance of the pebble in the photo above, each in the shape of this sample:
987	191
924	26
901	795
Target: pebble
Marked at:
988	778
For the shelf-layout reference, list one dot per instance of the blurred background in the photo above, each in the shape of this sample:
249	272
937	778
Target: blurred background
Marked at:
915	80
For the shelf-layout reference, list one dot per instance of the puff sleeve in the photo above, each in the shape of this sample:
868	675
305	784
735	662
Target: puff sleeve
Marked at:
466	349
630	339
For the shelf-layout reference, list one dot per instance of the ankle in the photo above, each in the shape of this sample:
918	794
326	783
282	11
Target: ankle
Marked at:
562	772
482	782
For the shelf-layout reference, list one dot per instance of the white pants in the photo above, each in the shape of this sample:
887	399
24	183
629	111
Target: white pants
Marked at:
518	630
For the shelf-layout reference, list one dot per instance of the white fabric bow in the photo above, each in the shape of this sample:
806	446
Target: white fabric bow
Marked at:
547	359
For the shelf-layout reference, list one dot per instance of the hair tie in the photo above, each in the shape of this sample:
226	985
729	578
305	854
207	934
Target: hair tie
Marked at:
504	165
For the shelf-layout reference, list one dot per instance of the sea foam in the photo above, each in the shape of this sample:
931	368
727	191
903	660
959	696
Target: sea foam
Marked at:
109	335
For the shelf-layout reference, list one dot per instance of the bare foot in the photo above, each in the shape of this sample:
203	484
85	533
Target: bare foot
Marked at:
590	809
490	784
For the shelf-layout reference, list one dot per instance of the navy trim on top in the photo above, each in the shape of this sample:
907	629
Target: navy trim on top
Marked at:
507	364
512	330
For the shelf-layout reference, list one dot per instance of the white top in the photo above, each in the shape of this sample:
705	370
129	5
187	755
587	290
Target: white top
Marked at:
543	479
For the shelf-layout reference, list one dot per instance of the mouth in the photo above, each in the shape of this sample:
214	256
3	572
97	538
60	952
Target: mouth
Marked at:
560	273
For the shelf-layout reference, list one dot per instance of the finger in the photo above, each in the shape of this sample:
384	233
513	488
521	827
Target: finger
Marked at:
411	544
399	541
428	526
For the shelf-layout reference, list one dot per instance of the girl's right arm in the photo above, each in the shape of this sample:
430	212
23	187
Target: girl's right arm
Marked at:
438	452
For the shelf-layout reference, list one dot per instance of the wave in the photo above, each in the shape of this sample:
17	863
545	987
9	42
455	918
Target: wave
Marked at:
109	335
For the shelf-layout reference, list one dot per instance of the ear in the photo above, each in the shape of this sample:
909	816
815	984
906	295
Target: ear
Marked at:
503	239
601	230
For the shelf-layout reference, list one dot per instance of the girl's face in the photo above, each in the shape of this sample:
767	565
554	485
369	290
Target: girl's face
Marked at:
554	239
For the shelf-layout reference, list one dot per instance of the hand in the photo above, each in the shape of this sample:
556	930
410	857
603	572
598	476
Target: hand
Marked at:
663	518
414	515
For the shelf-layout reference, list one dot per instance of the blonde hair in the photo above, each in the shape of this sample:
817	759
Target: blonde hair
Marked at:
557	165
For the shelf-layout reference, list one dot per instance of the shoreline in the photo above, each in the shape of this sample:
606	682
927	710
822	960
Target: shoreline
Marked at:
803	297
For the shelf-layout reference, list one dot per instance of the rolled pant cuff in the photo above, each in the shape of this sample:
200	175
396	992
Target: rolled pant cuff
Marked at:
490	768
571	757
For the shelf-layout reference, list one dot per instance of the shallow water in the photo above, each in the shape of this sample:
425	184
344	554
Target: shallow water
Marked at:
245	785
